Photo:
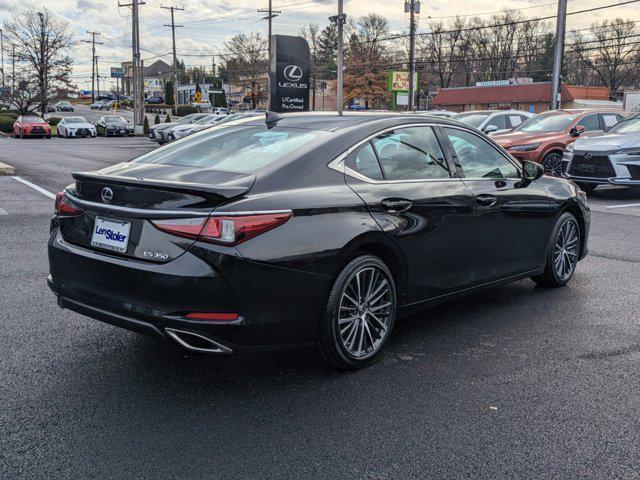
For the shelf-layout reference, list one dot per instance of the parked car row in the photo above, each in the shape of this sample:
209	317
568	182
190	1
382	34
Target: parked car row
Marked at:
72	127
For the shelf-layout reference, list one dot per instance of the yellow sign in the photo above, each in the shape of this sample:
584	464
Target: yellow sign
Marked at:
198	97
399	81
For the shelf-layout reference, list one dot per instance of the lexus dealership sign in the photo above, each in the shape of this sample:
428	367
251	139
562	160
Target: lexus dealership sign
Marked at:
289	76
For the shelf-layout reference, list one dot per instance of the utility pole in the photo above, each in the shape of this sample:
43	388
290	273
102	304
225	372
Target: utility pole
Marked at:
43	70
339	20
561	26
13	68
271	14
412	7
93	61
175	58
137	86
2	59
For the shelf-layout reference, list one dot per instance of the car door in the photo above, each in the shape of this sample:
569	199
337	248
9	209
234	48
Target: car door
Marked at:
407	182
513	221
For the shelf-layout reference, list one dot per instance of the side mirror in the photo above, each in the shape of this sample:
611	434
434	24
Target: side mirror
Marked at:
490	129
531	171
577	130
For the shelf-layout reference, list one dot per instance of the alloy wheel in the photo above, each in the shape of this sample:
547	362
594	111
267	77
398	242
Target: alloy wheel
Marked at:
366	311
565	254
553	166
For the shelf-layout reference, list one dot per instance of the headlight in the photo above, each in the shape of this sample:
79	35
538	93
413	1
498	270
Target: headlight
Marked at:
569	148
525	148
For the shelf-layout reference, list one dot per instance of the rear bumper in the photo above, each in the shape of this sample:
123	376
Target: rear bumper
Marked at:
277	306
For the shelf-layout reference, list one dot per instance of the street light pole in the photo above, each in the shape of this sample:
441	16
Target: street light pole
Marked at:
414	7
339	20
561	25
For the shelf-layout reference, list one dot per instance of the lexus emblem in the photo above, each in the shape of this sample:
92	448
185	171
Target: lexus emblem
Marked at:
588	155
293	73
106	194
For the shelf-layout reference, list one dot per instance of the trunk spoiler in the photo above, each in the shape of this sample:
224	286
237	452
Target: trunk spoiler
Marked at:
229	189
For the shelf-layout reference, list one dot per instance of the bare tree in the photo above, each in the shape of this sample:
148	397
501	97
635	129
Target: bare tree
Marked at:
311	33
248	60
612	55
26	96
43	41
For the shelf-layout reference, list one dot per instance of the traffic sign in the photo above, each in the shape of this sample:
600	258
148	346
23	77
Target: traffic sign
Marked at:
198	97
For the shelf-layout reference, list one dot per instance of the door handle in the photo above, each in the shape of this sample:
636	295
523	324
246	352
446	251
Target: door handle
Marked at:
396	205
486	200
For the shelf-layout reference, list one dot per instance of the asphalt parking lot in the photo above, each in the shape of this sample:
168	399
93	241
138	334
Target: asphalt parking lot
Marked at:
516	382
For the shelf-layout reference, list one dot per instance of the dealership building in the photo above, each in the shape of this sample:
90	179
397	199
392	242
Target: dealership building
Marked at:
534	97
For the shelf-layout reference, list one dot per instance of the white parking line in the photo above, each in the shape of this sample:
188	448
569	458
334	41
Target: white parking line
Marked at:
624	206
35	187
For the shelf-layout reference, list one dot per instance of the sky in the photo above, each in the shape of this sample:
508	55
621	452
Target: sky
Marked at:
207	23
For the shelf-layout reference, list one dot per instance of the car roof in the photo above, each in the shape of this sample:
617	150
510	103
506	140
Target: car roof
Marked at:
332	122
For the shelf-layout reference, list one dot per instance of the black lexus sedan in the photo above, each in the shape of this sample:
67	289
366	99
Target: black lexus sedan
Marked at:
308	228
113	126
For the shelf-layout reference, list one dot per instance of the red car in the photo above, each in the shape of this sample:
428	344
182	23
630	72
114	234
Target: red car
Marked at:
543	138
31	126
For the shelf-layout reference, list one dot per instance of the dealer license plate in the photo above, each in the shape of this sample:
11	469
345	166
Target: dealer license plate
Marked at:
110	234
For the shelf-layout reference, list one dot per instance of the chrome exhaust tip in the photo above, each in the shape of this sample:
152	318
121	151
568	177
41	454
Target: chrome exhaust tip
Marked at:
196	342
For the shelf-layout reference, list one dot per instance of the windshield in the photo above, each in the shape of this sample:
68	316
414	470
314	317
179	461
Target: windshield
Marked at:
205	120
231	148
114	120
631	125
32	120
473	119
552	122
75	120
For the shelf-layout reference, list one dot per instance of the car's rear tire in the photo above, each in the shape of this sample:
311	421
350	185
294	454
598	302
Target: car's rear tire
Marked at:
564	252
587	187
552	164
360	314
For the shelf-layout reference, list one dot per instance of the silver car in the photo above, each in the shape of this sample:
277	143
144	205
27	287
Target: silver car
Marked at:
493	121
610	159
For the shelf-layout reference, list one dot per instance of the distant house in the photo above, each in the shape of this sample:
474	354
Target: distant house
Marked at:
155	77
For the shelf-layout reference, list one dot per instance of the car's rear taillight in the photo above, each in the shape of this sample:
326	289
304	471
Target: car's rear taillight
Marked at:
63	207
227	230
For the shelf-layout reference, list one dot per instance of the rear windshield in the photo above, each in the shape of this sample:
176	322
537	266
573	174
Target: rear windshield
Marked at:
231	148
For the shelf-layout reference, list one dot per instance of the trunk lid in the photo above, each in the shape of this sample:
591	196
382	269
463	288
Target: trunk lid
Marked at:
125	198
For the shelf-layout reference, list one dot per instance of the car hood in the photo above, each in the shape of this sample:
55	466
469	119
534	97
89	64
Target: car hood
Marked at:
181	128
523	138
608	142
79	125
34	124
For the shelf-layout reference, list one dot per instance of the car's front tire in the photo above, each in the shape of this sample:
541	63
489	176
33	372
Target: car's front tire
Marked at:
360	314
564	252
552	164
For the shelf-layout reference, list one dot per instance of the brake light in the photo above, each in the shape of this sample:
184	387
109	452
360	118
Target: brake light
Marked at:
227	230
63	207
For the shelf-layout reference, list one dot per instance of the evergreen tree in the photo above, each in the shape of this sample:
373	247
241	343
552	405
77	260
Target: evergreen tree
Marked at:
168	119
156	121
145	126
168	93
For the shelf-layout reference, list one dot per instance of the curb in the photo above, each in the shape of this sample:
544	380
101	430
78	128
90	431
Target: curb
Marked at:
6	169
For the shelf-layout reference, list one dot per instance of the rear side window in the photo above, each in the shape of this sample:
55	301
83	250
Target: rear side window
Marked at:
515	120
411	153
232	148
365	162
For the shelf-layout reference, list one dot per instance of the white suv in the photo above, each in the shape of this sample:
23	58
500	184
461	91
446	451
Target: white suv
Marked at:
493	121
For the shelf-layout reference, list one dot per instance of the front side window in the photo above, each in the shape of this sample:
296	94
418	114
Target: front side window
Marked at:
411	153
478	158
590	122
499	121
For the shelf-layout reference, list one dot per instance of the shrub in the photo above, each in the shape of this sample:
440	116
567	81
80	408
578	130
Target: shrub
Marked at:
9	113
6	124
156	120
54	121
145	126
168	119
186	110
